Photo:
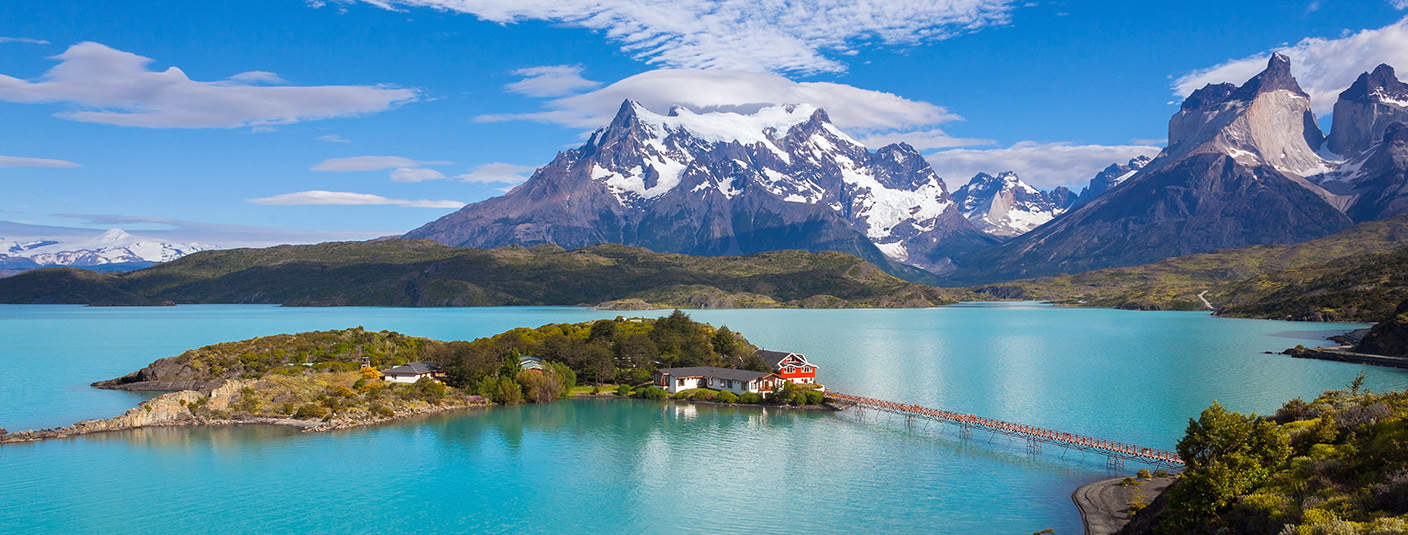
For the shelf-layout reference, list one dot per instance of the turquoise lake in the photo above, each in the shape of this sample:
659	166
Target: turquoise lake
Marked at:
614	466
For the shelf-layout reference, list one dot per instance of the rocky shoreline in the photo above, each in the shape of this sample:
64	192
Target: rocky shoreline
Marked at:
1105	505
175	409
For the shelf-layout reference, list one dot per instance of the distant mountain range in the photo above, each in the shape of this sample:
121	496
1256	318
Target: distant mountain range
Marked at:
726	183
1243	166
112	250
1005	206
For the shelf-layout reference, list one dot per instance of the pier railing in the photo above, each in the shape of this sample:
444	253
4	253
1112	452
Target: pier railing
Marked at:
1115	451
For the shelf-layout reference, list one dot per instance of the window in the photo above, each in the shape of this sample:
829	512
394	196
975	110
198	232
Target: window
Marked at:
680	383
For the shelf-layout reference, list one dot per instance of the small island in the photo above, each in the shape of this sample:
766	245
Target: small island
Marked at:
340	379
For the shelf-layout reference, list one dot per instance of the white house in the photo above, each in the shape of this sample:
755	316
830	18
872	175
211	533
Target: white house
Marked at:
409	373
737	381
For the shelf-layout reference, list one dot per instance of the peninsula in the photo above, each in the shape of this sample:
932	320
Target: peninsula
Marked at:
340	379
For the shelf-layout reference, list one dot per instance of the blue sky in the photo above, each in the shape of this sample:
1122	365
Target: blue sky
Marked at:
1053	90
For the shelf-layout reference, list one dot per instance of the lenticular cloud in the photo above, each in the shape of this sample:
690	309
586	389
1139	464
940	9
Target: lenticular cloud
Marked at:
115	87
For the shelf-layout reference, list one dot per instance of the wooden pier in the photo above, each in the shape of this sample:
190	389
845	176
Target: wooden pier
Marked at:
1115	452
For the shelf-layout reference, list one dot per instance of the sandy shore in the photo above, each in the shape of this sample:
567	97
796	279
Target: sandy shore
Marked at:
1104	505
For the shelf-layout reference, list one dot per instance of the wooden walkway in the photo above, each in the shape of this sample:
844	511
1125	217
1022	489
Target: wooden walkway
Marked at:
1116	452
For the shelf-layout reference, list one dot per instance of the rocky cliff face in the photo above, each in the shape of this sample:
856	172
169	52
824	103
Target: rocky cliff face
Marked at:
1108	178
1233	175
1389	336
1267	120
723	183
1365	111
1005	206
1374	184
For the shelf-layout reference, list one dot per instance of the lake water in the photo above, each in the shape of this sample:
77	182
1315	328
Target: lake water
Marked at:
614	466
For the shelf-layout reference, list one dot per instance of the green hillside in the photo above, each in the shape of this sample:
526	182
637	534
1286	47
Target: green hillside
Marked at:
424	273
1356	274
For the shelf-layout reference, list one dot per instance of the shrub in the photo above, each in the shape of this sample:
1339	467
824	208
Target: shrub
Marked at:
429	390
309	411
1144	474
1128	482
727	397
1161	472
752	398
651	392
814	397
383	411
623	390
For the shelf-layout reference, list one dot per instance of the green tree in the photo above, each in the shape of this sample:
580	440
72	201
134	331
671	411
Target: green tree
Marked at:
1227	454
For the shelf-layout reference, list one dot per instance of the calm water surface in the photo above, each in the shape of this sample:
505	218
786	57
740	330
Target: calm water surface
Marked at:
637	467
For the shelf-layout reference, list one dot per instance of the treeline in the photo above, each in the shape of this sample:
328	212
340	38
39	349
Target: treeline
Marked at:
1337	464
621	350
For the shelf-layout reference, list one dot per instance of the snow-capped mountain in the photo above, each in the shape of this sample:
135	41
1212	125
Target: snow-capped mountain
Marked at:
113	246
1005	206
1110	177
1238	170
724	182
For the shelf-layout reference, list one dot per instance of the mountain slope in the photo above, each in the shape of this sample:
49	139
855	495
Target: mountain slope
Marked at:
1345	276
725	183
1232	176
424	273
1005	206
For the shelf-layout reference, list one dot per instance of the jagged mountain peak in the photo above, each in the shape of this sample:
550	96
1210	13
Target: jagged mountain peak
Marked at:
1380	84
1266	120
1365	111
725	181
1276	76
1003	205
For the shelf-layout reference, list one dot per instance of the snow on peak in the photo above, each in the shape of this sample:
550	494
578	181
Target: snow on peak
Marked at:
112	246
762	126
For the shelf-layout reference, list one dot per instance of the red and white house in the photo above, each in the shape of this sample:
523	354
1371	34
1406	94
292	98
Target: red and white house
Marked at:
792	367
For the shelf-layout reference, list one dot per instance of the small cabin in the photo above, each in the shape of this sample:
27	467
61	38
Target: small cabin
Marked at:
793	367
410	372
674	380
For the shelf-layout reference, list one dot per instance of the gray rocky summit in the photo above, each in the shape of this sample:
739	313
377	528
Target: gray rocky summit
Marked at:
724	183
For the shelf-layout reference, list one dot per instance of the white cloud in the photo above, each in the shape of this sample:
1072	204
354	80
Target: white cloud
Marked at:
178	230
932	138
550	81
344	198
849	107
498	172
1324	67
415	174
25	40
1399	4
257	77
1044	165
748	35
333	138
19	161
115	87
370	163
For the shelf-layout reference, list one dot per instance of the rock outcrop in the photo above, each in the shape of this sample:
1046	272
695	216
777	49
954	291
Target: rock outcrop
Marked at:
1364	111
1388	337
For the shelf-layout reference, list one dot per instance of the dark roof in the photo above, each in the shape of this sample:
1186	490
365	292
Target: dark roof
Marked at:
773	358
710	371
411	368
